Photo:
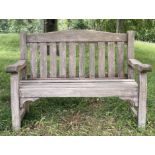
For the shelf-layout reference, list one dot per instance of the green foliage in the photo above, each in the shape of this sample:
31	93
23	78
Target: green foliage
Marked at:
97	24
4	25
29	25
77	24
146	35
62	24
74	116
145	29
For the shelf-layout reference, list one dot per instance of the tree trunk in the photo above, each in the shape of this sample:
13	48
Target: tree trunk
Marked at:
50	25
119	25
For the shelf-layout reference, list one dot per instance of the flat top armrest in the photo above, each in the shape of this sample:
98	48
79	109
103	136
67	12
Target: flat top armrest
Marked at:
140	66
15	68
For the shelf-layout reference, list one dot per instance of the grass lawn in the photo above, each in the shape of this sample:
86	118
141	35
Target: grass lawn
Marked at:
74	116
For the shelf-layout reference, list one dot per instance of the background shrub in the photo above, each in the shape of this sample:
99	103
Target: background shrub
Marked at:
145	28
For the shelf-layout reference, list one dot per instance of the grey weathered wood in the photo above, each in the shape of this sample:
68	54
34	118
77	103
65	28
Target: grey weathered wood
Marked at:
24	101
142	100
23	46
43	60
111	59
135	64
124	89
77	36
87	76
53	60
83	86
62	64
130	99
81	60
77	80
17	67
120	59
16	123
131	36
22	113
92	60
77	92
101	59
134	110
145	68
80	83
27	107
33	61
72	60
23	52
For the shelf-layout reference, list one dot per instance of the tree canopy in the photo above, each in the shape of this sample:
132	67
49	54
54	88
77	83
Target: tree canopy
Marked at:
145	28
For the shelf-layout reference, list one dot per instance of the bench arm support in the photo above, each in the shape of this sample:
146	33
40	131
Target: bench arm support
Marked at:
142	89
17	67
135	64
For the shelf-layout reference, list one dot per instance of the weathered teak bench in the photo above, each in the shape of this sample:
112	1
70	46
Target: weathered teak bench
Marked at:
63	73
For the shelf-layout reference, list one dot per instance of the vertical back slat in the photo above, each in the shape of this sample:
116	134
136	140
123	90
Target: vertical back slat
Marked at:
92	60
131	36
101	59
23	46
81	60
62	65
43	60
53	60
23	51
120	59
111	59
33	61
72	60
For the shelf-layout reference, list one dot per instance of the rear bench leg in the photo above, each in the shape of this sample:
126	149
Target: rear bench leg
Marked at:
15	109
142	100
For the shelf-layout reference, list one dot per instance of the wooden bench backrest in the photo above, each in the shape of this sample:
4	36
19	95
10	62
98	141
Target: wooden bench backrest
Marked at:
106	53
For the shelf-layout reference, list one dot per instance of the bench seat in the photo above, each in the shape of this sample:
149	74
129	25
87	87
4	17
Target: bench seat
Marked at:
125	88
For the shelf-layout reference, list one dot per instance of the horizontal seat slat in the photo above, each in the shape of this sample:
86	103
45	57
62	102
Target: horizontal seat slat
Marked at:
75	92
78	86
83	88
107	84
76	80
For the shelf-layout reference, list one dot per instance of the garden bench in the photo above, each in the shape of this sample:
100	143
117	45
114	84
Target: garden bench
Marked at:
77	63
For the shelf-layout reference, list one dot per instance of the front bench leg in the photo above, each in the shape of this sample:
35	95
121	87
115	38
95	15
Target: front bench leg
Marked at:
15	71
142	100
142	91
15	109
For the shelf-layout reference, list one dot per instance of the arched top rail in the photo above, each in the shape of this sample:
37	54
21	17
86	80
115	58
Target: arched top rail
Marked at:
77	36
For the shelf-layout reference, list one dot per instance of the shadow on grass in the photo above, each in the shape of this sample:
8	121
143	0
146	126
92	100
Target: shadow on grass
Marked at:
79	116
